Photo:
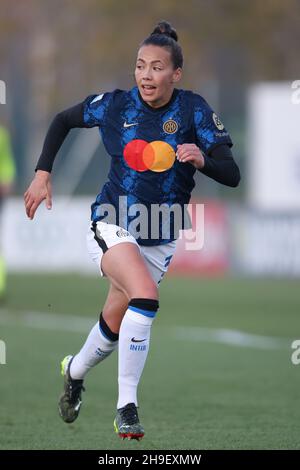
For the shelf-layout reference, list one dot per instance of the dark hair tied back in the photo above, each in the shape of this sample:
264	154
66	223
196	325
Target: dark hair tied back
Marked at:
165	36
164	27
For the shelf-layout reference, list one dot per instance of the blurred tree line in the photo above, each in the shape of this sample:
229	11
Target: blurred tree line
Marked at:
53	53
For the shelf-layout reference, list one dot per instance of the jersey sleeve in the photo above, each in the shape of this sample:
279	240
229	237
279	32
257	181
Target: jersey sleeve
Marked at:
88	113
210	131
94	108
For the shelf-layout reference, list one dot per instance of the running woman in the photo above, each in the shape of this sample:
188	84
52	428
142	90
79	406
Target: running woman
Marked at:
158	136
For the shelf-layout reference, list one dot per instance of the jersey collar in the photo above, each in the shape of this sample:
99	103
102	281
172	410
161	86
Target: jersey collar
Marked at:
161	108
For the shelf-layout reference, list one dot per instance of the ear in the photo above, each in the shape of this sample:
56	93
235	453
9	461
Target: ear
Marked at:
177	75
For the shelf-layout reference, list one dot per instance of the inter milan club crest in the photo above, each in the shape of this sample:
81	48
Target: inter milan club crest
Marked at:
170	126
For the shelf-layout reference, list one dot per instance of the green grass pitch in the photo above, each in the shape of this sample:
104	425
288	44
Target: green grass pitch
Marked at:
197	391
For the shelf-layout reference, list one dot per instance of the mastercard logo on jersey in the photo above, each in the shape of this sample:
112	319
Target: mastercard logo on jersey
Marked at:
156	156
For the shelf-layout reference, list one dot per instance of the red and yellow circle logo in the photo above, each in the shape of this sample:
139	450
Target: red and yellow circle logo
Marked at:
155	156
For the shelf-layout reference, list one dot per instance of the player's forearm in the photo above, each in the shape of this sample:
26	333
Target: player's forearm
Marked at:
221	167
58	131
224	172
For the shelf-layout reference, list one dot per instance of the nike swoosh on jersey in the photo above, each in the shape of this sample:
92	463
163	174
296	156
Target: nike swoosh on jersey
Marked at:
130	124
97	98
137	340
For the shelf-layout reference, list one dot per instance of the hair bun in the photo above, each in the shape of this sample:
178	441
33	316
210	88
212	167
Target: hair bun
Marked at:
164	27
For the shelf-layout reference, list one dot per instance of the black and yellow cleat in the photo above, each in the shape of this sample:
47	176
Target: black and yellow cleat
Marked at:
70	401
127	424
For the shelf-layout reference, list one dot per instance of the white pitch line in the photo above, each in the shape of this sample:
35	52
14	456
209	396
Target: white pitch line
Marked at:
230	337
78	324
48	321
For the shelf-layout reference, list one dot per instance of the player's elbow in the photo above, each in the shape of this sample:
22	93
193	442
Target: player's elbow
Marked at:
58	121
60	117
235	177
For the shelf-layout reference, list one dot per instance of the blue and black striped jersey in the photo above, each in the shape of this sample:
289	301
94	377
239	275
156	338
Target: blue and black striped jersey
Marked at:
142	142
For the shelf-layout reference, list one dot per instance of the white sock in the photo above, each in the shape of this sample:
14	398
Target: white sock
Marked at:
96	348
134	339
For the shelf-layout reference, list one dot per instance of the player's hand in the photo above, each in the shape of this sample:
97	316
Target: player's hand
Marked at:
190	153
39	190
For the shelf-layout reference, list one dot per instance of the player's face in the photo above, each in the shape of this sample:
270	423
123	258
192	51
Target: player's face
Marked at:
155	75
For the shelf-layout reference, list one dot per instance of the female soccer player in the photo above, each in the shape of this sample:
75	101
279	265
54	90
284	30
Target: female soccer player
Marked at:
157	137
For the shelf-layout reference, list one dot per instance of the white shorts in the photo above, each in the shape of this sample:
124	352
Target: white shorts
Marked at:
101	236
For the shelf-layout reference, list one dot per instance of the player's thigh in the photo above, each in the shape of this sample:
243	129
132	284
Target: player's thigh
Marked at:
118	257
158	259
125	267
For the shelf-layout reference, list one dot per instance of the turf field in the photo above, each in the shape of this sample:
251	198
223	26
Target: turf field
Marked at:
219	373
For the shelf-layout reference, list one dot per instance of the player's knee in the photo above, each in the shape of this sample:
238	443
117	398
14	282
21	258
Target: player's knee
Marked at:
147	290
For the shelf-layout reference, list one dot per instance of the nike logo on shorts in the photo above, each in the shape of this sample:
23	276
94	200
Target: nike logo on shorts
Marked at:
137	340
